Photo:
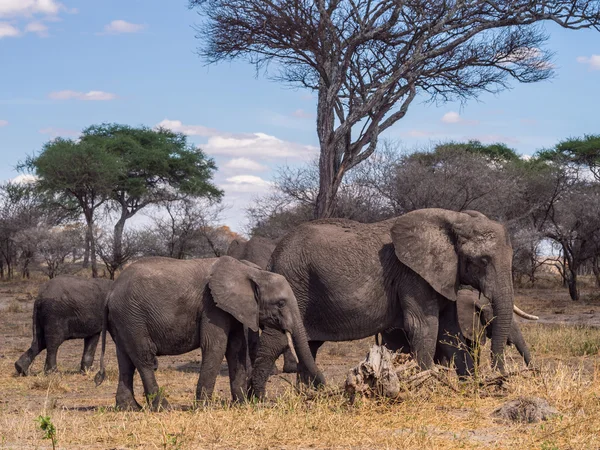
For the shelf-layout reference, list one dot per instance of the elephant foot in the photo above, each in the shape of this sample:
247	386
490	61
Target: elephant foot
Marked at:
159	403
131	406
290	367
21	369
50	371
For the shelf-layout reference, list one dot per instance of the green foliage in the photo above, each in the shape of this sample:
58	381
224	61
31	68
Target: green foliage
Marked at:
496	152
46	425
153	164
583	152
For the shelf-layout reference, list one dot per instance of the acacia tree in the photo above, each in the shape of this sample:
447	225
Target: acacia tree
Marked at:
156	166
78	172
368	59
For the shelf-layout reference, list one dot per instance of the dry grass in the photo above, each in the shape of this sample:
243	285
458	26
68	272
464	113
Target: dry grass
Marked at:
457	415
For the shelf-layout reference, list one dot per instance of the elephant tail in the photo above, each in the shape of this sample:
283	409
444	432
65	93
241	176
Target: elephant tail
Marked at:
99	378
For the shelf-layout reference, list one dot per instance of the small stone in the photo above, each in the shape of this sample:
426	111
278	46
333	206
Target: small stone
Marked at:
526	410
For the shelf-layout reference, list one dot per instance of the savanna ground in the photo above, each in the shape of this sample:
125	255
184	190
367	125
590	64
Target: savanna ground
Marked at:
565	344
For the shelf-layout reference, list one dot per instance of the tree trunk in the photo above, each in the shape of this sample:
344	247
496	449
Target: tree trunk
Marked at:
86	252
596	270
572	283
92	242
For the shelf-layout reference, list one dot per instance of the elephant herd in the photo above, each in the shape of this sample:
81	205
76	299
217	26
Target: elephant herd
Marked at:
432	282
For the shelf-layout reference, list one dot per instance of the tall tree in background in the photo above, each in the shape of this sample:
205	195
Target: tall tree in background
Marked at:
367	60
77	172
156	166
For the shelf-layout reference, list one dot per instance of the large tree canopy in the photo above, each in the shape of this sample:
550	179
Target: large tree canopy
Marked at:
129	167
368	59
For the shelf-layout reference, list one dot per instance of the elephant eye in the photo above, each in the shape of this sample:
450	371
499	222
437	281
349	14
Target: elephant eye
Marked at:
485	260
281	303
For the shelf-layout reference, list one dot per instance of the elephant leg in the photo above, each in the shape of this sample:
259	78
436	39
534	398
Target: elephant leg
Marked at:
289	362
236	363
89	350
125	399
421	323
213	343
154	396
396	340
52	344
272	344
23	363
451	346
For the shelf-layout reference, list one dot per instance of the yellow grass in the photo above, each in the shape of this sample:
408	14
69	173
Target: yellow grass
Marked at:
433	417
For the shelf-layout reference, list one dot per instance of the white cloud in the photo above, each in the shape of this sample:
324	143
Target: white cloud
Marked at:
246	184
56	132
453	117
3	123
7	30
593	61
530	56
122	26
38	28
24	179
190	130
301	114
244	164
28	8
420	133
258	145
74	95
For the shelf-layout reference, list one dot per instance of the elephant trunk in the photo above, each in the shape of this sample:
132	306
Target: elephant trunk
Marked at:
305	358
502	307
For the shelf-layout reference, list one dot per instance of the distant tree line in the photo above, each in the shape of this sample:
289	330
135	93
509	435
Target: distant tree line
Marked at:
549	202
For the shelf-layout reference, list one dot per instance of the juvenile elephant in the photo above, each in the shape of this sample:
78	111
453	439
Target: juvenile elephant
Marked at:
354	280
258	250
163	306
475	316
67	307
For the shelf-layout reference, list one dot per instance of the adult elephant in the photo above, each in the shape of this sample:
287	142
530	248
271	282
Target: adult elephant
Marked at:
257	250
66	307
163	306
354	280
474	314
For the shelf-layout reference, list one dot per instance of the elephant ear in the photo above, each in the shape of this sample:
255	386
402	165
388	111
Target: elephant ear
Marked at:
233	290
470	315
423	241
250	264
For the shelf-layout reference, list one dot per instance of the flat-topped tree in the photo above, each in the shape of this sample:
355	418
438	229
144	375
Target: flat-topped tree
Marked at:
76	171
156	166
367	60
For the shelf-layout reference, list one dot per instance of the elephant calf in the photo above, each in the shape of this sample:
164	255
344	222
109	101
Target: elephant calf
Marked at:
67	307
474	315
163	306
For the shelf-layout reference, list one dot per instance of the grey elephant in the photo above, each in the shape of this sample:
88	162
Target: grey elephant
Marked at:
474	314
354	280
163	306
67	307
258	250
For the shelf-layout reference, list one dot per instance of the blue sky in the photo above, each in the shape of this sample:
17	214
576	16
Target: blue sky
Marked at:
69	64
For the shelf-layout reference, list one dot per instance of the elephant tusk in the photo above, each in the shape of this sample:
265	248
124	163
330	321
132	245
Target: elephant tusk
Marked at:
291	345
519	312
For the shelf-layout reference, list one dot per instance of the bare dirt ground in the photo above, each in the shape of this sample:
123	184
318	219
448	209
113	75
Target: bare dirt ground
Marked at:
565	344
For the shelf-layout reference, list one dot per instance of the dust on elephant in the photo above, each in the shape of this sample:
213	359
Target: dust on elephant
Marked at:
354	280
67	307
474	314
163	306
